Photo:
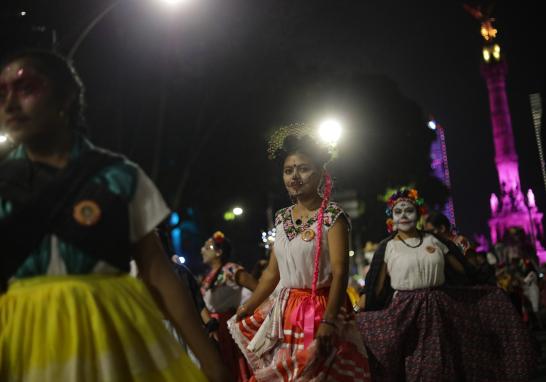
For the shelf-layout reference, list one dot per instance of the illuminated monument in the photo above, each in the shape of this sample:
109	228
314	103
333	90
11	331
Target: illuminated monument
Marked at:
440	166
510	208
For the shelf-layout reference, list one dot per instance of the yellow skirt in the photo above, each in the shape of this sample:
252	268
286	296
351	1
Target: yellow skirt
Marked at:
87	328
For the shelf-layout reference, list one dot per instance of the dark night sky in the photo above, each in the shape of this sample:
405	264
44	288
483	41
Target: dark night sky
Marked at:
232	70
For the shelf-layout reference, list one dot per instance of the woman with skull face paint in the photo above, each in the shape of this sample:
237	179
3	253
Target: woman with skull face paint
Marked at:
71	218
307	331
222	291
423	321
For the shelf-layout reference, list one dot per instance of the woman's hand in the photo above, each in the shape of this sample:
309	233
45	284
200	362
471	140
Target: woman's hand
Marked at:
362	302
214	336
243	311
325	339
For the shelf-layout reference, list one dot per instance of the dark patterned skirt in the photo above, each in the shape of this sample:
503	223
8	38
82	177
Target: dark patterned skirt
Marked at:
448	334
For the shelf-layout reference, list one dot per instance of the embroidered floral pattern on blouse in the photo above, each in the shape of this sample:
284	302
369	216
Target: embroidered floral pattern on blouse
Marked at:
224	275
284	217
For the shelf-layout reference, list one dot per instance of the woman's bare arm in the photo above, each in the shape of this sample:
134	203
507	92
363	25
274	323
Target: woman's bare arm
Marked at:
267	284
338	248
173	298
245	279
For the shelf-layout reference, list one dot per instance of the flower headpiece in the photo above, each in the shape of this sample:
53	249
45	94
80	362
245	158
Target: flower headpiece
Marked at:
299	131
404	194
218	237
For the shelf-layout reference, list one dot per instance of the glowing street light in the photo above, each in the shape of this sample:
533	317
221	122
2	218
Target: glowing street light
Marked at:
330	131
233	214
101	15
174	2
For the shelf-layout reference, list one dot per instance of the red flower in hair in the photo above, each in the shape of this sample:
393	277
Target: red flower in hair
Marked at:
218	237
390	225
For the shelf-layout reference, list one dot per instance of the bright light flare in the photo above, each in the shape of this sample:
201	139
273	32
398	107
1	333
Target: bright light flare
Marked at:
174	219
237	211
3	138
174	2
431	125
531	198
486	55
330	131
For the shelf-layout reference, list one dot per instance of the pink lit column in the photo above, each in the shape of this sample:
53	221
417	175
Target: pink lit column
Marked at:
511	209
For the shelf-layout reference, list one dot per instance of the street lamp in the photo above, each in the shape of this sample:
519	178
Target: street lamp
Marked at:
174	2
330	131
233	214
98	18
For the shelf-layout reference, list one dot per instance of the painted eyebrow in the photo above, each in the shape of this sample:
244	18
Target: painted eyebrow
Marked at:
22	80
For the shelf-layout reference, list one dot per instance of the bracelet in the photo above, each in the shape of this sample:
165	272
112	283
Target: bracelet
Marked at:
327	322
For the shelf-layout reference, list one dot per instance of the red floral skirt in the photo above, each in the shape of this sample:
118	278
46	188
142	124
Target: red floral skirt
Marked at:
448	334
285	352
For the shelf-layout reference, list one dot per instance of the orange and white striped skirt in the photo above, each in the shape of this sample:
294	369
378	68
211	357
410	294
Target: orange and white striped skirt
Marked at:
274	344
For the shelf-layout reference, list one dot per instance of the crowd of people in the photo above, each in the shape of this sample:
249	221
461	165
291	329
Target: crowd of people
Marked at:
91	291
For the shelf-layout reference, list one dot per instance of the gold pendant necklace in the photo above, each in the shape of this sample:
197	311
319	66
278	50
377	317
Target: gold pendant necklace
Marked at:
307	233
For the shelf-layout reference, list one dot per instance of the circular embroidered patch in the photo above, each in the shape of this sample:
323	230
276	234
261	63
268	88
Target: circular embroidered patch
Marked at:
308	235
430	249
87	212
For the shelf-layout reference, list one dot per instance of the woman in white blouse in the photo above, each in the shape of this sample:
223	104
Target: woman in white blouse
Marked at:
307	332
422	319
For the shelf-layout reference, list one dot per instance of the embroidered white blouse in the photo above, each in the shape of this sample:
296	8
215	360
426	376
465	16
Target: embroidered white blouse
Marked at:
226	294
415	268
295	257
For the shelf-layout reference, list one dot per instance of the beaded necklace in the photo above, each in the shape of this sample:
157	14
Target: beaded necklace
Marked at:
411	246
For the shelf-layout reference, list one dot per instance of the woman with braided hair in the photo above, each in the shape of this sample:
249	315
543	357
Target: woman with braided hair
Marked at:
307	331
425	320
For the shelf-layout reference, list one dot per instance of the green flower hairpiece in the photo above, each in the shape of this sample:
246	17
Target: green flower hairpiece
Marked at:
276	140
298	130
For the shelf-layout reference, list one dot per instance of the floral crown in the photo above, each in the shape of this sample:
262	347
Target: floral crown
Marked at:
297	130
408	194
218	237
